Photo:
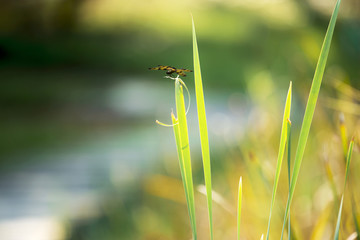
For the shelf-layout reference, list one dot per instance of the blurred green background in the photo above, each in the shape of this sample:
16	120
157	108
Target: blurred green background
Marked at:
81	156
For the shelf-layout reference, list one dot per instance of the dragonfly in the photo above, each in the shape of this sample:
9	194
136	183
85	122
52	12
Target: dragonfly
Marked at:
170	70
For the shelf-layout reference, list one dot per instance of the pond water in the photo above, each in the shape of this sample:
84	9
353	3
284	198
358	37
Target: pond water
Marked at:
52	185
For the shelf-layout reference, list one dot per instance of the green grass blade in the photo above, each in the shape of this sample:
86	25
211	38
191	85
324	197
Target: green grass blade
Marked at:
283	138
180	156
204	139
344	140
288	143
311	104
348	159
337	229
239	208
183	135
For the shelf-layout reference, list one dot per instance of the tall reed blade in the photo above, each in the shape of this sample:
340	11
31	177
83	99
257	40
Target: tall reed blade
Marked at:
283	139
182	141
204	139
310	107
337	229
348	159
239	208
288	143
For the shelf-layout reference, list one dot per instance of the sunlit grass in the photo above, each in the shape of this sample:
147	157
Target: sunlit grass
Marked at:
204	139
239	208
288	144
182	143
348	159
344	140
310	107
283	140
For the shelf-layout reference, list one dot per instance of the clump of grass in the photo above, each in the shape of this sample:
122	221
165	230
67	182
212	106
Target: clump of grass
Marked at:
183	148
310	107
182	140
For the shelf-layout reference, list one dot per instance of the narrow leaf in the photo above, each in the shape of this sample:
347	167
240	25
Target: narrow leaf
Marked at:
204	139
283	138
344	140
239	208
337	229
348	159
289	176
288	143
180	156
310	107
185	151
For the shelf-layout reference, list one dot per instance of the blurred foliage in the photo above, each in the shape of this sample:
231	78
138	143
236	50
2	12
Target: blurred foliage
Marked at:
126	37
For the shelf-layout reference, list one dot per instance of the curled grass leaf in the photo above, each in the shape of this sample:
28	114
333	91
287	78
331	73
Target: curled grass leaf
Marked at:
189	99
